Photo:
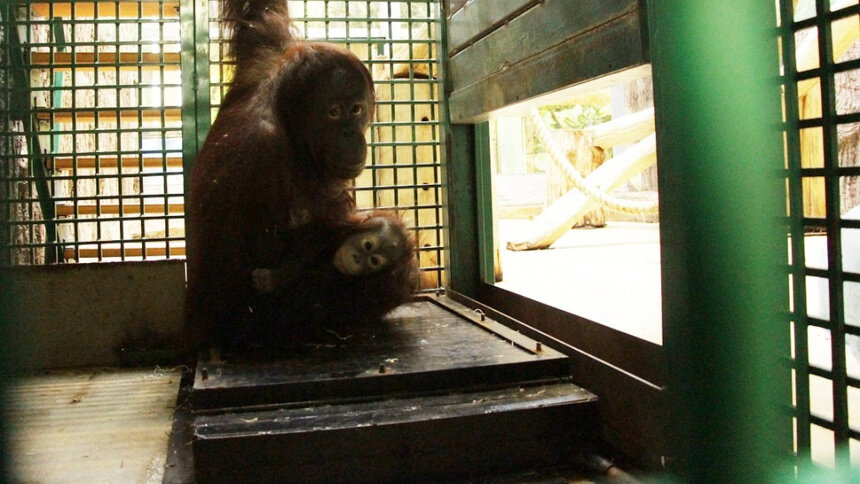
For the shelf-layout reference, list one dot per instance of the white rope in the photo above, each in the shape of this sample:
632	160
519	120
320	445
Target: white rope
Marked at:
592	192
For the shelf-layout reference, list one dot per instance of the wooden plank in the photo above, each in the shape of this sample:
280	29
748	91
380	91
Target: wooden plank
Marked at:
82	10
479	17
116	305
559	217
69	209
110	162
614	47
126	252
535	31
80	60
110	115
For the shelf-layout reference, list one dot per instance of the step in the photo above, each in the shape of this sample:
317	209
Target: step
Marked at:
436	390
399	439
430	345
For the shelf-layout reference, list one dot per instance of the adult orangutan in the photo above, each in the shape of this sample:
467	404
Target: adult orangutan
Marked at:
279	158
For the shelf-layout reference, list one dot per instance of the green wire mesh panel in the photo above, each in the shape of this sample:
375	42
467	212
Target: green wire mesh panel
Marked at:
98	102
99	87
397	41
821	56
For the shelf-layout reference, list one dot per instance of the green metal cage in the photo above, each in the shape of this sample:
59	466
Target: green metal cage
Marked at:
108	102
821	58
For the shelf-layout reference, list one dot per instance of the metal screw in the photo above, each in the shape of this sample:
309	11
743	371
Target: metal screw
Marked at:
381	368
538	347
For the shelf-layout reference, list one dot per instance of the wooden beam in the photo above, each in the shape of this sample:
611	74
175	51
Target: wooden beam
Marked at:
110	115
533	32
113	208
559	217
108	59
845	32
115	252
82	10
623	129
611	48
128	162
481	16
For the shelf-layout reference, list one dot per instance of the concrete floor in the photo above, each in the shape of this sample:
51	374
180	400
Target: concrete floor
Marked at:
91	426
609	275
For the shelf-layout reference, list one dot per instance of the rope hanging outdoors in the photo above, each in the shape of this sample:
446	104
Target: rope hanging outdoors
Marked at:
594	193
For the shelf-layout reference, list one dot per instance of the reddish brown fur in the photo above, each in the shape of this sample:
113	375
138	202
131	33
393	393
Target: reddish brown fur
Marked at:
316	296
273	170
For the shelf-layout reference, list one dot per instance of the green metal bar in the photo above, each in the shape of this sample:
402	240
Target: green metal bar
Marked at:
59	36
484	192
20	108
194	61
834	235
459	195
720	151
796	228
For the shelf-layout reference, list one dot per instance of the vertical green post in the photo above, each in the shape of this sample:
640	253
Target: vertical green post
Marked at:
194	64
720	152
484	194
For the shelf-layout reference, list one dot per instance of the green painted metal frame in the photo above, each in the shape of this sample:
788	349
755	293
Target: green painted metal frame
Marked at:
723	250
836	325
723	243
194	64
20	109
199	104
461	191
54	131
484	182
605	361
797	233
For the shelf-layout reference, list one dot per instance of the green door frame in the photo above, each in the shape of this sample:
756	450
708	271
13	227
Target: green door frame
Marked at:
723	254
194	60
723	241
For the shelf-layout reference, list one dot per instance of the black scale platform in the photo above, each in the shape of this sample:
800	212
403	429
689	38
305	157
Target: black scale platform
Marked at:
433	392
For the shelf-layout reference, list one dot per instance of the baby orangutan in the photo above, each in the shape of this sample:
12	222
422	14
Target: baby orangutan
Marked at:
368	268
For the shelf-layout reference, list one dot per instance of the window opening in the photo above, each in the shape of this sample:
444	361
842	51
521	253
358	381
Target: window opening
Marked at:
575	202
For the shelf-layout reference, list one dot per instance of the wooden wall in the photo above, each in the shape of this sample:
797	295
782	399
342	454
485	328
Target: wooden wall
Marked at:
502	52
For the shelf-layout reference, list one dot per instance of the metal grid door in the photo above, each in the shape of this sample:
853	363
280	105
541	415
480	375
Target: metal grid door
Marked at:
397	41
92	146
821	57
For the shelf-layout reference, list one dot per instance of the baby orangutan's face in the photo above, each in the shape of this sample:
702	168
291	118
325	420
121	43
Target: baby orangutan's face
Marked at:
370	251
